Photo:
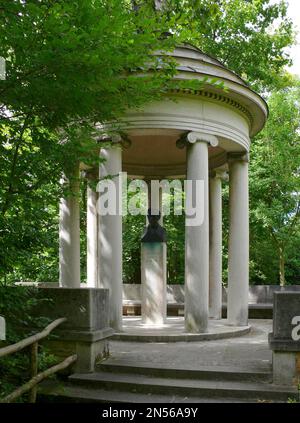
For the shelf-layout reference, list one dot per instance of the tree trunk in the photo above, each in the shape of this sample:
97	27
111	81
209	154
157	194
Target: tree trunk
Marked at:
281	267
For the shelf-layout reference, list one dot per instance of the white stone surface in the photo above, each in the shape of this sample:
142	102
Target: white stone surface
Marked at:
215	244
197	245
69	235
238	246
92	239
110	240
2	329
154	283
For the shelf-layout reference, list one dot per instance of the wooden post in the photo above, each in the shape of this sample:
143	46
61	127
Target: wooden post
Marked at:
33	370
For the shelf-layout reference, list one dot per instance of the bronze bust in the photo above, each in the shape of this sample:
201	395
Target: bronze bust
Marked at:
154	232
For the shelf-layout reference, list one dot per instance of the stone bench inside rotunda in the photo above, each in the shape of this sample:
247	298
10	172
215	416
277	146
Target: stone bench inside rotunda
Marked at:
260	300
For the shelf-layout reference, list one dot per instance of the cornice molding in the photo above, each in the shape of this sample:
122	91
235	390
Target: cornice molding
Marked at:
217	98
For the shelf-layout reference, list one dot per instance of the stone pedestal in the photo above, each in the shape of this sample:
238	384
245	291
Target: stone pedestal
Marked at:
2	329
284	341
154	283
86	330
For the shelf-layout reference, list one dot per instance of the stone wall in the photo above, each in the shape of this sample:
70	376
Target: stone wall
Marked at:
258	294
86	330
284	341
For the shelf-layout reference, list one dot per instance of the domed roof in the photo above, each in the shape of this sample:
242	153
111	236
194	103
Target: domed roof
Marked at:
230	111
194	64
191	59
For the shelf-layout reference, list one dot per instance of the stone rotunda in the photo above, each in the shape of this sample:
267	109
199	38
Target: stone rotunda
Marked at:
194	135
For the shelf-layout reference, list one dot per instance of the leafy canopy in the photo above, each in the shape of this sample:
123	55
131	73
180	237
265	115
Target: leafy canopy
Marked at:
275	176
248	36
68	60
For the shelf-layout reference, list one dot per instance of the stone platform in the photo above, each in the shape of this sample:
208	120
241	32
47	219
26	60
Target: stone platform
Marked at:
173	331
235	370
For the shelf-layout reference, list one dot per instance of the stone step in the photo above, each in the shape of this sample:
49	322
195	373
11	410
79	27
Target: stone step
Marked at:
80	394
221	373
183	387
175	333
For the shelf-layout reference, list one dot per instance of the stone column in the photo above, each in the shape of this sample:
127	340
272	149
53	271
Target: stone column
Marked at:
92	238
110	235
69	232
197	234
156	202
238	246
215	244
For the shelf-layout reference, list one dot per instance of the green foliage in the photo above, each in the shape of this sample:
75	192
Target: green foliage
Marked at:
133	227
29	193
249	37
16	305
68	60
275	186
175	227
69	65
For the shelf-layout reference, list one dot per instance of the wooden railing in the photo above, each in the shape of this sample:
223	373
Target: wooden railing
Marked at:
36	378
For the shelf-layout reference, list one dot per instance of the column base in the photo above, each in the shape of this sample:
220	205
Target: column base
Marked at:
193	326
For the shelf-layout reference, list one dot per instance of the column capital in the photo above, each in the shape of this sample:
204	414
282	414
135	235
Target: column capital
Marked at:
219	174
193	137
121	139
238	157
